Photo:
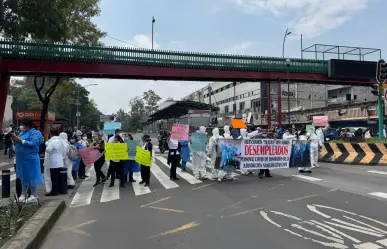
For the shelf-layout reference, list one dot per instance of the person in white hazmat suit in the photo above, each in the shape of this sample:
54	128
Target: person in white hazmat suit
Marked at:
227	133
246	135
315	144
199	160
67	162
214	151
320	134
56	151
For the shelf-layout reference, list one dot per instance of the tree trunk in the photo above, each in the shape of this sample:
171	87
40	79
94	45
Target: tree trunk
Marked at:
43	114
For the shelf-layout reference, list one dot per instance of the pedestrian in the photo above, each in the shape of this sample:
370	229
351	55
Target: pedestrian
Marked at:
74	141
68	164
1	139
145	170
116	166
131	165
99	145
173	157
199	160
185	154
27	159
300	158
214	152
315	143
56	149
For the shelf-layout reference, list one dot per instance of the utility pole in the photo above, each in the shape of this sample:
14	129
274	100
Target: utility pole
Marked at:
381	76
153	24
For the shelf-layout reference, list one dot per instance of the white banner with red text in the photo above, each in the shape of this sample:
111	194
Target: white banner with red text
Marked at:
265	154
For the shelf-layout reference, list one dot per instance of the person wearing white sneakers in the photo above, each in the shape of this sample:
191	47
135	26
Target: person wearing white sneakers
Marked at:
27	159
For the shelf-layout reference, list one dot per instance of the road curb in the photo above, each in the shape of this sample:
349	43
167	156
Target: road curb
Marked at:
34	232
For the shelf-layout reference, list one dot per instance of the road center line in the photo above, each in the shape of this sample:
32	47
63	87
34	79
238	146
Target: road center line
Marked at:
309	178
377	172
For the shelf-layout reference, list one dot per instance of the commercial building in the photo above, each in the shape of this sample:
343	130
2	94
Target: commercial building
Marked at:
249	100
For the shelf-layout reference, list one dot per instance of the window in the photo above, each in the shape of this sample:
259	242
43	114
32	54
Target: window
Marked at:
354	97
348	96
234	107
226	109
241	105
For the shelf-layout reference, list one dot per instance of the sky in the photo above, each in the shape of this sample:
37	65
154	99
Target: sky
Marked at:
254	27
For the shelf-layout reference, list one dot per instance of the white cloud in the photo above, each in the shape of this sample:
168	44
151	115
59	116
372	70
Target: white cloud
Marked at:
313	17
111	95
241	48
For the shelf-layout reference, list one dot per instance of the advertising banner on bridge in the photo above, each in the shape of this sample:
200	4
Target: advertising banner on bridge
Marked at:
265	154
180	132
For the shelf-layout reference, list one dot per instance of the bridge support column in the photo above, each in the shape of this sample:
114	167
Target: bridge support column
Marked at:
4	86
279	107
268	106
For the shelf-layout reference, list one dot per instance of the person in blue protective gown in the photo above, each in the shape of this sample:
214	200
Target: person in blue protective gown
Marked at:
27	159
184	154
130	166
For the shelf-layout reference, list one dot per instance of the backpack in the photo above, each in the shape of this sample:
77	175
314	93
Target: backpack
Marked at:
73	153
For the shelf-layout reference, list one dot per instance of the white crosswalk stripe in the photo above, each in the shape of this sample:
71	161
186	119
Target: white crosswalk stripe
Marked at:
189	178
379	194
162	177
138	188
110	193
377	172
83	196
309	178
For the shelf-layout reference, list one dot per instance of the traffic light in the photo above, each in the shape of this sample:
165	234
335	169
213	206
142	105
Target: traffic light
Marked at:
375	89
381	74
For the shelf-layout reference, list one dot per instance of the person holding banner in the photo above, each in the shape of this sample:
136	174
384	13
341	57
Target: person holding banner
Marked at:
173	157
185	157
246	135
145	170
116	166
299	157
130	165
199	158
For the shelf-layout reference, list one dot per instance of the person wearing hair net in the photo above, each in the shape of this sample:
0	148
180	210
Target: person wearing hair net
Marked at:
214	152
67	162
199	160
227	133
246	135
315	143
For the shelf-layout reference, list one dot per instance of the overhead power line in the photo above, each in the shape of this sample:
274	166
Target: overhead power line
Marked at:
123	41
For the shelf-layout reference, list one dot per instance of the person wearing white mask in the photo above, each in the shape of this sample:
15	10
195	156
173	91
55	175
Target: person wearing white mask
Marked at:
302	136
199	160
84	141
315	143
288	135
214	152
246	135
67	162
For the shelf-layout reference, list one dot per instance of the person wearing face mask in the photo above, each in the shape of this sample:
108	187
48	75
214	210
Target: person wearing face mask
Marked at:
315	143
67	162
85	143
227	133
27	159
99	145
76	163
173	157
199	160
145	170
214	152
116	166
246	135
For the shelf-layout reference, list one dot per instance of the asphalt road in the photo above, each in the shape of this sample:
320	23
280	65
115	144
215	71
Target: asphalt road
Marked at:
336	206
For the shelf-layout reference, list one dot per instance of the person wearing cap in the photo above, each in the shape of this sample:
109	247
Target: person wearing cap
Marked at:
145	170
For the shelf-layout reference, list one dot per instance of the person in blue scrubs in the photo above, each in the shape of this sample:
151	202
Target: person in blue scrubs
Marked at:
185	157
27	159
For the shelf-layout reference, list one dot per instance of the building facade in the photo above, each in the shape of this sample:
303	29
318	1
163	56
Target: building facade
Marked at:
250	100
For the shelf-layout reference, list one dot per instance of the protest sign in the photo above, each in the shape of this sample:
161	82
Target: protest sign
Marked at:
300	154
198	140
132	148
116	151
143	157
180	132
309	128
230	153
110	127
89	155
265	154
320	121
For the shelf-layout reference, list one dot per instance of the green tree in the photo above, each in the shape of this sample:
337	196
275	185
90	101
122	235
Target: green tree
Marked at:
124	118
136	112
151	100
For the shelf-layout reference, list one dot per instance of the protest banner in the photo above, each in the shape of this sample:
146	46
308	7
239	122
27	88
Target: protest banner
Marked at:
89	155
143	157
300	154
230	153
265	154
132	148
320	121
116	151
198	141
180	132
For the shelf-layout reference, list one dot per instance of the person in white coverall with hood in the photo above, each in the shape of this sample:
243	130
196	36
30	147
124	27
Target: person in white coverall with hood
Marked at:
67	162
226	172
199	160
214	152
246	135
315	144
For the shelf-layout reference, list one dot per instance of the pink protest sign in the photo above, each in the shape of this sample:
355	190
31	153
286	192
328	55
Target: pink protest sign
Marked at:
180	132
320	121
89	155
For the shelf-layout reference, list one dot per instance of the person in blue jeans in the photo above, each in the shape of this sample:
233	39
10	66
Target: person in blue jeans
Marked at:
184	154
75	142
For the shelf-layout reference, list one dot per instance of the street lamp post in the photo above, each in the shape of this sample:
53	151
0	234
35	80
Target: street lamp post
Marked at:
287	74
78	104
287	32
153	24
